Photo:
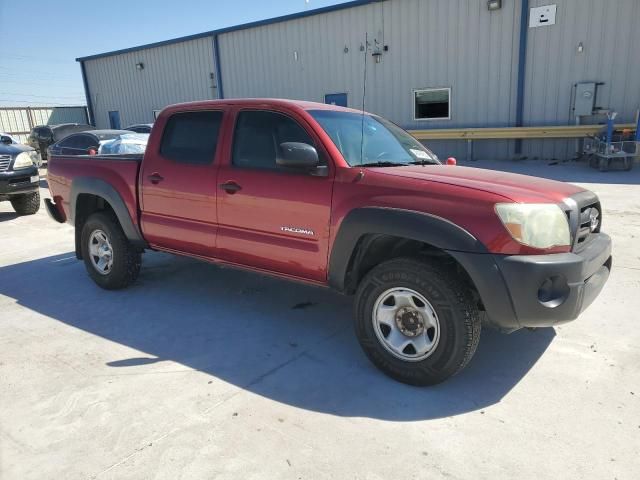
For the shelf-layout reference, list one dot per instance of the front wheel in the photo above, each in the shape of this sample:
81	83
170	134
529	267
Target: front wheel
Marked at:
27	204
417	322
110	259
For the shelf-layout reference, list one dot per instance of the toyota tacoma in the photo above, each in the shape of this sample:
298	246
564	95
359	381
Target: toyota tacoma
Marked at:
348	200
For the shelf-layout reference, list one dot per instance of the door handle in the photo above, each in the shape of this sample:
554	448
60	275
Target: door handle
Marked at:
155	178
230	187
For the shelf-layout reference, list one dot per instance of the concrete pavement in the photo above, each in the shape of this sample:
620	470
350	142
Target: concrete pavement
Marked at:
203	372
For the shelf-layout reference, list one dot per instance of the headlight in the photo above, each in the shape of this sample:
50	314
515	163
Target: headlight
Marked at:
536	225
23	160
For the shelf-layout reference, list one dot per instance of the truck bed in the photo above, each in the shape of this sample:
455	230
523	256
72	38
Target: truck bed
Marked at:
118	171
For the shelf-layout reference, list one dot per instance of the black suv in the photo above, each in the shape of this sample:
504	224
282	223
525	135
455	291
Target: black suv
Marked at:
19	178
42	136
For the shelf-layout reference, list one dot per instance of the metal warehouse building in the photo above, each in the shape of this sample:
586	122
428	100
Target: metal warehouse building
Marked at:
430	64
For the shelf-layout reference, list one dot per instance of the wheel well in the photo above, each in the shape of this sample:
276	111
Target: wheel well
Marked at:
373	249
86	205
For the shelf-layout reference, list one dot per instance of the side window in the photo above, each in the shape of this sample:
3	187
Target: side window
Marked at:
83	142
69	142
258	136
191	137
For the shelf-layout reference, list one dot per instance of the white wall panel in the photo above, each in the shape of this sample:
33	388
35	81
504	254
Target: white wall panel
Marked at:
178	72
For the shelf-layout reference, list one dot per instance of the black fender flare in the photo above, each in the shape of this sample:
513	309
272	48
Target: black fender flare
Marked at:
100	188
431	229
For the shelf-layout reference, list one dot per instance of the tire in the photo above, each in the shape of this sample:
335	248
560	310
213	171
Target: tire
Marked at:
103	232
27	204
454	336
603	165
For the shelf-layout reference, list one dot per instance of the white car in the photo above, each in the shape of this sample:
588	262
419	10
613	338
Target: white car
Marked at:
124	144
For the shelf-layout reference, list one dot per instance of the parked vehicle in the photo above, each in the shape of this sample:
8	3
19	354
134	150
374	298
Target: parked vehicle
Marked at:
19	177
90	142
124	144
44	135
338	198
6	138
140	127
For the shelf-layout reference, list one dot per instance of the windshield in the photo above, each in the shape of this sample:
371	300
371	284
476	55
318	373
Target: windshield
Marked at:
385	144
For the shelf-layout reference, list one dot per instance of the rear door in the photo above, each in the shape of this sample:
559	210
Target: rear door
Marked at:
272	218
178	183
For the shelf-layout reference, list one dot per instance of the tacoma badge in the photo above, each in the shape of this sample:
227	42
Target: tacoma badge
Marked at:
303	231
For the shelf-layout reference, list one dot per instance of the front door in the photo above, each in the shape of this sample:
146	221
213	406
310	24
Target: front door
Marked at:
178	183
271	218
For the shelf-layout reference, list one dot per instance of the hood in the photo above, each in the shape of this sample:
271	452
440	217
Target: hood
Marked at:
14	149
513	186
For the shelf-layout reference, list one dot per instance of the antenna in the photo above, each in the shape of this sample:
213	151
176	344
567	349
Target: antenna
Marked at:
364	95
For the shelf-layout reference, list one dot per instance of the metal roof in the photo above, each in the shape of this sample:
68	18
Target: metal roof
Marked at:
244	26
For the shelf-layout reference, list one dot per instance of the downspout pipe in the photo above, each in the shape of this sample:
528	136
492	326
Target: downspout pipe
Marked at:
216	54
522	68
87	94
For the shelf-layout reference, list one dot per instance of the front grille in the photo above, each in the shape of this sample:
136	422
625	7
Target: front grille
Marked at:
19	180
581	206
5	160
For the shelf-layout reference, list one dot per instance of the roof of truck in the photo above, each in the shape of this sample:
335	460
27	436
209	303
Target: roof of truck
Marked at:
264	102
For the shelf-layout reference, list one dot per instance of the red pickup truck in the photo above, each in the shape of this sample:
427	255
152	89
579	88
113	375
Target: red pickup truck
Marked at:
346	200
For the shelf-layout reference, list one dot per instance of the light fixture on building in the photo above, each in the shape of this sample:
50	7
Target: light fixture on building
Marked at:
377	55
580	47
494	5
140	66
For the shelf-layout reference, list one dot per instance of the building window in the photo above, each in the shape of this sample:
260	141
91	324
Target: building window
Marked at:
432	104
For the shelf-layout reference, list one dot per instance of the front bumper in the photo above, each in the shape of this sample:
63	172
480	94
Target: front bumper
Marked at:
17	182
539	290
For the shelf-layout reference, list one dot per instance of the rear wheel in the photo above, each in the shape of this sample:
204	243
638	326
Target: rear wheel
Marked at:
109	257
416	321
27	204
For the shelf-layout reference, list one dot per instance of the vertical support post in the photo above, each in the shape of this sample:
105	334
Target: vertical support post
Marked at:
638	126
217	65
30	118
87	94
469	150
522	68
610	127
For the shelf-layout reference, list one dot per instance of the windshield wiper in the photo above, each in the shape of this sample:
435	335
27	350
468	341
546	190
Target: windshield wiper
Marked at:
383	164
424	162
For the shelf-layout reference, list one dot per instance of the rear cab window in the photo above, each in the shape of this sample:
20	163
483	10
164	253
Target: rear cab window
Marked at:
191	137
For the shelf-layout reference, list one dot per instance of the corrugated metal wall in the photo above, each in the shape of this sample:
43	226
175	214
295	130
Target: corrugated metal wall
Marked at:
18	121
179	72
610	33
432	43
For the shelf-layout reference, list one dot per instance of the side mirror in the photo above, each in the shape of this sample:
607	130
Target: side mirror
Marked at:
6	140
298	155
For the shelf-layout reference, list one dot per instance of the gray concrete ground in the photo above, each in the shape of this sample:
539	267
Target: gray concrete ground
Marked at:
203	372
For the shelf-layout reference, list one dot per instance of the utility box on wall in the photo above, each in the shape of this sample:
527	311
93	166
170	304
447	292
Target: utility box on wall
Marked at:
585	101
542	16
